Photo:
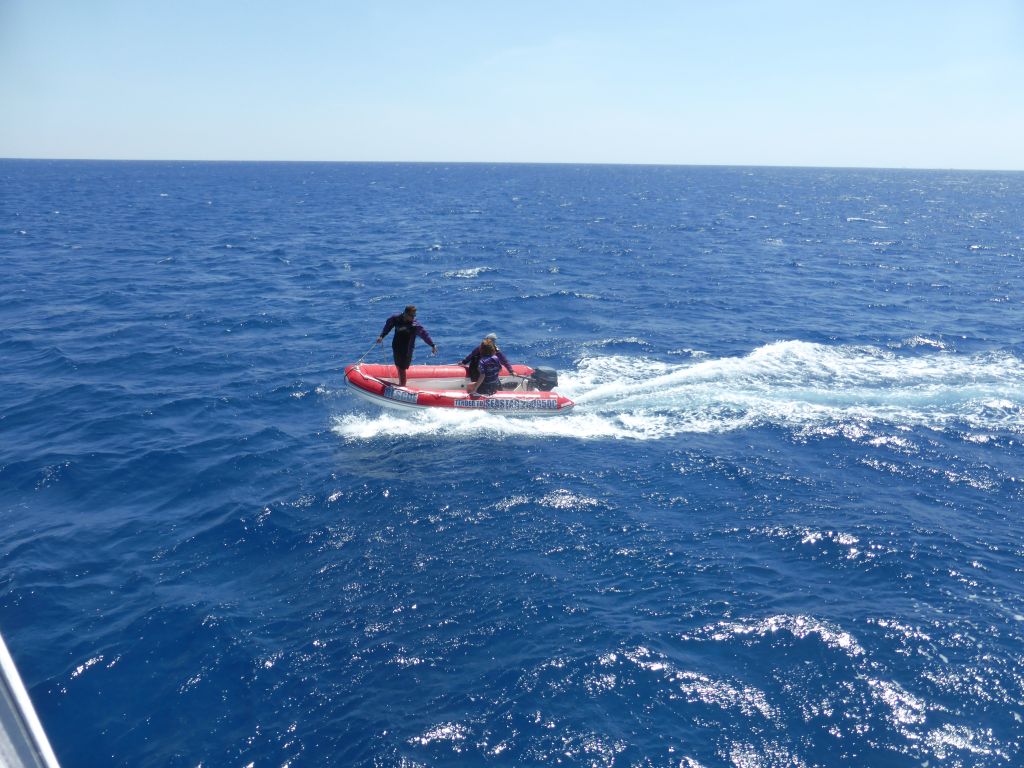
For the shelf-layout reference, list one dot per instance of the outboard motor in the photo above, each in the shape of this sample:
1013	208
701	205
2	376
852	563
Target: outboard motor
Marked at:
544	379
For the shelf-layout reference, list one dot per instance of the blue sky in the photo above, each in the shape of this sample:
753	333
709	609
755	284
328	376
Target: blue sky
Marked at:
892	83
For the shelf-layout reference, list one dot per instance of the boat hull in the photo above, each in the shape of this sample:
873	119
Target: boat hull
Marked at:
444	387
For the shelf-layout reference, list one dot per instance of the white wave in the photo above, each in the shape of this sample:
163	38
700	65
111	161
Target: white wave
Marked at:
442	732
922	341
698	687
798	626
468	274
812	389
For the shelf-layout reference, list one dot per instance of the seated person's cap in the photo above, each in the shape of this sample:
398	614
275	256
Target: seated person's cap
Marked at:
492	336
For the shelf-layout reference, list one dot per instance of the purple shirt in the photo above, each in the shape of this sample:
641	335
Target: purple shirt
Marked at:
490	367
475	356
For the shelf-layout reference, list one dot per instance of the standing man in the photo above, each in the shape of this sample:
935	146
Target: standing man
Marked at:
407	328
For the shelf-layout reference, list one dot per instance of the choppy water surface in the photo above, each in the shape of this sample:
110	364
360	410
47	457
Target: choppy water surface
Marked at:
781	527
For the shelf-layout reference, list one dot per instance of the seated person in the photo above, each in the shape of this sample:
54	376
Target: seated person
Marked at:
473	358
487	382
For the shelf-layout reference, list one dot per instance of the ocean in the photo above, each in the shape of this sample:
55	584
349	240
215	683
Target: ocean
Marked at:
782	526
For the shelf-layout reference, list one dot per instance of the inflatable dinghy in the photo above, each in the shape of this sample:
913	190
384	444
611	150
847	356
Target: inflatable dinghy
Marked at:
528	393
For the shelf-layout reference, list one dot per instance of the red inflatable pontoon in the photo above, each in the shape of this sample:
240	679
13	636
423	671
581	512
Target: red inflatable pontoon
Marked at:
528	393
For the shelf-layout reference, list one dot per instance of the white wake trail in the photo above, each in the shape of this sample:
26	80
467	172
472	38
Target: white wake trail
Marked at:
792	384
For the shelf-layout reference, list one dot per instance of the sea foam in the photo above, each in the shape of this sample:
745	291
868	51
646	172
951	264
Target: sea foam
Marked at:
810	388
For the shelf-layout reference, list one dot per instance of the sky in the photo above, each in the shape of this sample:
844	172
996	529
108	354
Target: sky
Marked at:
875	83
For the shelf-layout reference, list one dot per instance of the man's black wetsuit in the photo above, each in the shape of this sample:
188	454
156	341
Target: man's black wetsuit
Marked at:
406	331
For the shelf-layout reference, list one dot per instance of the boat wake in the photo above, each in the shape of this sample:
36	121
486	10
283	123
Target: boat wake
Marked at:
810	389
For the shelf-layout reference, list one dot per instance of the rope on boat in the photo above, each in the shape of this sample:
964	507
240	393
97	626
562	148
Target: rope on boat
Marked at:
366	353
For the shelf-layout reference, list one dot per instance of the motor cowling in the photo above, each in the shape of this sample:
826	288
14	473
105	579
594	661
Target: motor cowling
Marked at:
544	379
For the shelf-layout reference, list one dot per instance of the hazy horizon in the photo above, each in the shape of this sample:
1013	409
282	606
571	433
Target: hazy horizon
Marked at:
270	161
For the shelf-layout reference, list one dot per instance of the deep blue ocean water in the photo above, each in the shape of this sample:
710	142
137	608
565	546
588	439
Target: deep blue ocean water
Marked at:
781	528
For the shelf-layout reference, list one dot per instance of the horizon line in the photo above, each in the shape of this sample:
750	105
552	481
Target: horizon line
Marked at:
509	162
